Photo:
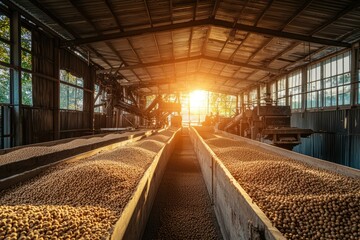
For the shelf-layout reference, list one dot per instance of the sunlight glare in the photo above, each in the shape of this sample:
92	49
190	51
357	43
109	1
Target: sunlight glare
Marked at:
198	99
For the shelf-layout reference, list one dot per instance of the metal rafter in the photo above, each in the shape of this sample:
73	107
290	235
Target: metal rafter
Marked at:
118	23
206	76
54	18
190	41
99	55
170	90
318	51
153	64
258	19
216	6
157	45
214	22
236	20
329	22
119	57
298	12
204	45
84	15
195	9
340	14
172	45
171	11
192	29
87	19
248	34
148	13
138	57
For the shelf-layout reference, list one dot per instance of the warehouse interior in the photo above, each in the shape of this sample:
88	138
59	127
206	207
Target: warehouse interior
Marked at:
173	112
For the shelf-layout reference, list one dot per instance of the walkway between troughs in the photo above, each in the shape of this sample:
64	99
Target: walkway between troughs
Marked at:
182	207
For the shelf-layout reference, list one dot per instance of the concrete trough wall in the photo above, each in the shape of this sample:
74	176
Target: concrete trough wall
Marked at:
237	215
132	222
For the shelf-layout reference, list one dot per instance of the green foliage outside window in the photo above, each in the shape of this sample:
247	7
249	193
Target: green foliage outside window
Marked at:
4	57
4	37
4	27
4	52
26	63
25	39
4	85
222	104
98	100
71	97
26	88
26	60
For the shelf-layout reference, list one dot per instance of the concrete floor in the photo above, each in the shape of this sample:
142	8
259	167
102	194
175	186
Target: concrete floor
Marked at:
182	208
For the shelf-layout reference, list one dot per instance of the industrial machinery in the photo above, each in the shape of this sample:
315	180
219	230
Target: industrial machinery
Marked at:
268	124
158	110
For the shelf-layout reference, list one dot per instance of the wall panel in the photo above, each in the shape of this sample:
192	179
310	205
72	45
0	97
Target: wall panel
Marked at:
336	137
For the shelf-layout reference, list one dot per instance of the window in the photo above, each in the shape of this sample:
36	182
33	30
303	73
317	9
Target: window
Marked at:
337	80
4	85
246	100
358	85
26	65
253	96
262	92
273	91
294	83
314	86
281	91
98	97
222	104
4	58
71	91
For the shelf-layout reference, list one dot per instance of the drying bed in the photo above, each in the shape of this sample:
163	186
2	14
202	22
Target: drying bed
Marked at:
301	200
79	198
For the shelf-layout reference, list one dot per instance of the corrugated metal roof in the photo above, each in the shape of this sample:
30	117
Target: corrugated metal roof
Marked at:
228	44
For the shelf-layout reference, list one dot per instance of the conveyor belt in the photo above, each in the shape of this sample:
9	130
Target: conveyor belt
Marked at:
182	208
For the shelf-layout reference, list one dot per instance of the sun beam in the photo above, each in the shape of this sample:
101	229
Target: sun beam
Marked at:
198	99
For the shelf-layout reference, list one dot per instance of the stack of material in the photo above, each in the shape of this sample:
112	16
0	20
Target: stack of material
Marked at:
301	201
35	151
81	199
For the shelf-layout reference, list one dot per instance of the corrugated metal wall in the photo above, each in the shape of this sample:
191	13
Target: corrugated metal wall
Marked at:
336	137
99	121
38	121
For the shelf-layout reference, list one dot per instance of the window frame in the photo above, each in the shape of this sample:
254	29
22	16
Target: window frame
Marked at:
294	83
75	89
281	93
24	70
6	66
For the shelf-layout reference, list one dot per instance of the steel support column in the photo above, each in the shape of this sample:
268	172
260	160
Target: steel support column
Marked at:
56	95
17	131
